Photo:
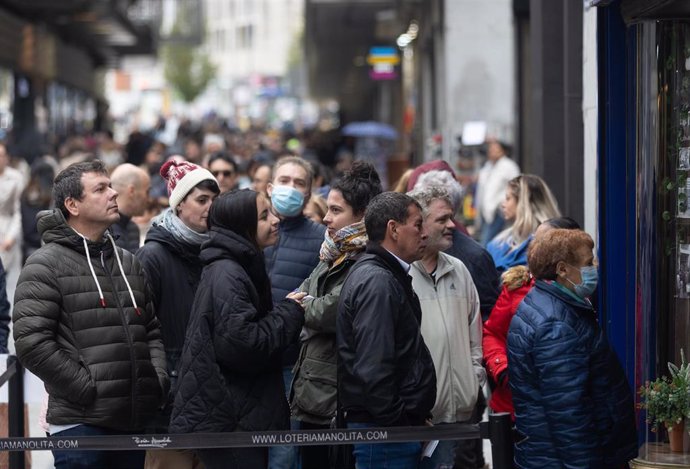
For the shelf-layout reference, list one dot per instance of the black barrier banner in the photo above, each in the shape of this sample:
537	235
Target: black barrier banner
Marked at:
244	439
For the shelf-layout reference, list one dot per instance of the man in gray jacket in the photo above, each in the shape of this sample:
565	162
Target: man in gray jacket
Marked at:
451	326
84	322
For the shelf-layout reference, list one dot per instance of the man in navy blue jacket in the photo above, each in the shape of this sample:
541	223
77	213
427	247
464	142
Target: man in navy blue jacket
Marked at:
292	258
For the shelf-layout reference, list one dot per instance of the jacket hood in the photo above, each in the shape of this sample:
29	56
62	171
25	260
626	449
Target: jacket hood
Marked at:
292	223
226	244
185	250
53	228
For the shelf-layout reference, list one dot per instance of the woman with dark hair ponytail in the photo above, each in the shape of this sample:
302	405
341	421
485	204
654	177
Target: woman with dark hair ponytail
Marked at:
230	375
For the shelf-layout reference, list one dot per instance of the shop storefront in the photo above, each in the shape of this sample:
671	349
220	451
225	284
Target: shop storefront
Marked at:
644	188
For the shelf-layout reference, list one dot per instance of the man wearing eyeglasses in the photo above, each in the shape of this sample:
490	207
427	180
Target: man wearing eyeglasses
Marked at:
224	169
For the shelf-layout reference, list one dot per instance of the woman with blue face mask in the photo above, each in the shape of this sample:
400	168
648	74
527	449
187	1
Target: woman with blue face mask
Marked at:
573	405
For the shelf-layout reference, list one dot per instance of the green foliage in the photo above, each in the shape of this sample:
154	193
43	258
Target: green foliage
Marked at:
187	69
667	399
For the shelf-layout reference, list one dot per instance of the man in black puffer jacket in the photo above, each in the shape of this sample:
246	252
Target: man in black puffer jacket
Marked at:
84	322
385	371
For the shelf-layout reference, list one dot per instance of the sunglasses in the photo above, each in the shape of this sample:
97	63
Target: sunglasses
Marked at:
226	173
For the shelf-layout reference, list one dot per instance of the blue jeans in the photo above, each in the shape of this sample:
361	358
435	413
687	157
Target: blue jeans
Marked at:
385	455
443	457
93	459
285	457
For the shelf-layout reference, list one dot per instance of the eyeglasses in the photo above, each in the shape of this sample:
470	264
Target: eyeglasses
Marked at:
226	173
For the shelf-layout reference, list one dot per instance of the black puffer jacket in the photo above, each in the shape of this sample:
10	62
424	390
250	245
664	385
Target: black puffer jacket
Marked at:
385	371
230	372
173	269
102	362
126	234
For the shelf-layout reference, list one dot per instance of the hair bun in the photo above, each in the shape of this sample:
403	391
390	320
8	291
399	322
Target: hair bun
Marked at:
364	170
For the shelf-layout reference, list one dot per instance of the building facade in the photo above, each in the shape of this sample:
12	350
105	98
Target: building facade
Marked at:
644	164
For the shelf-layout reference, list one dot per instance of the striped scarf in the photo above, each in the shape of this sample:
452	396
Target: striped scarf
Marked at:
347	243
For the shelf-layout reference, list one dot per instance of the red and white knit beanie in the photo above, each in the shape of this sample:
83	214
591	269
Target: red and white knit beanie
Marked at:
182	177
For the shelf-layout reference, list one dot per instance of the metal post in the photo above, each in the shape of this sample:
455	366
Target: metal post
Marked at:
501	436
15	412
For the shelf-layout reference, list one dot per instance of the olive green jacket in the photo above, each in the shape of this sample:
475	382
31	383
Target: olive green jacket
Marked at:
313	395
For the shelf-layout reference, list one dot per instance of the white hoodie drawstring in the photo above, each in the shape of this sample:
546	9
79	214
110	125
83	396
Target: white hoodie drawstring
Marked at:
122	272
93	272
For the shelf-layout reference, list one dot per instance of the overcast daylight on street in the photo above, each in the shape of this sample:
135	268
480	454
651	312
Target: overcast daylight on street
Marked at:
339	234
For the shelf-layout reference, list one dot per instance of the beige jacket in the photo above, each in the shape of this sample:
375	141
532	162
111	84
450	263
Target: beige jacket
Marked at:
452	330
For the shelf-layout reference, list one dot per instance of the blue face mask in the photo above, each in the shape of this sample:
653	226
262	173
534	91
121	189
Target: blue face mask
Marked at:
590	279
287	201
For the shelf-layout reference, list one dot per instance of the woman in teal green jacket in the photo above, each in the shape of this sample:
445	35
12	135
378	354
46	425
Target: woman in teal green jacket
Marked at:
313	397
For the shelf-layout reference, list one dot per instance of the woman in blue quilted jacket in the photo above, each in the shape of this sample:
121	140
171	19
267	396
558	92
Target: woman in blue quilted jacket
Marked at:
572	400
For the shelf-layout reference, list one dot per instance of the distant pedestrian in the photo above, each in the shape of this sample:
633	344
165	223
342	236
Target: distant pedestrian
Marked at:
230	375
528	203
37	196
491	186
224	168
132	185
385	371
12	183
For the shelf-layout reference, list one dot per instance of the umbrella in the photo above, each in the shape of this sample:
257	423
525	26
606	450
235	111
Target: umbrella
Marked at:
370	129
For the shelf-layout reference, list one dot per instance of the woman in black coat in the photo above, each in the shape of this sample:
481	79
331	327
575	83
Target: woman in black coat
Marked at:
231	373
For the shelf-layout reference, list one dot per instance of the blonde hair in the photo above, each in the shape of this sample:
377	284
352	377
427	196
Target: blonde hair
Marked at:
401	184
535	205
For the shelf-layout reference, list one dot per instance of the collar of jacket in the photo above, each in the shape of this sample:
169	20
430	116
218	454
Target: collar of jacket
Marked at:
187	251
226	244
53	227
443	267
124	220
393	265
287	224
552	290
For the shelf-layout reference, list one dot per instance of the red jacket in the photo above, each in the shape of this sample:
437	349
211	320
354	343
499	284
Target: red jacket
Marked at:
496	334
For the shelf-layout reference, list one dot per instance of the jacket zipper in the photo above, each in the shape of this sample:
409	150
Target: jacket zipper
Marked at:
130	342
449	375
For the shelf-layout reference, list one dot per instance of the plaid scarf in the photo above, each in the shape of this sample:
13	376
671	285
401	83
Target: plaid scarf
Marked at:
347	242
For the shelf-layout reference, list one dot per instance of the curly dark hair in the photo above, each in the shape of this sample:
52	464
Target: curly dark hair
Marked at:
359	185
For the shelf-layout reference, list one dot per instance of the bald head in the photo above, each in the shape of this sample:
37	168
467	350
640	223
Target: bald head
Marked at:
132	184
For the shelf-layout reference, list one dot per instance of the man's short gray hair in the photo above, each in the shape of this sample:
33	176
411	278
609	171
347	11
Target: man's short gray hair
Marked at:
442	179
425	196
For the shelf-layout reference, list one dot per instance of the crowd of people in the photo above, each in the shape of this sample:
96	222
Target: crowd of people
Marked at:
223	284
